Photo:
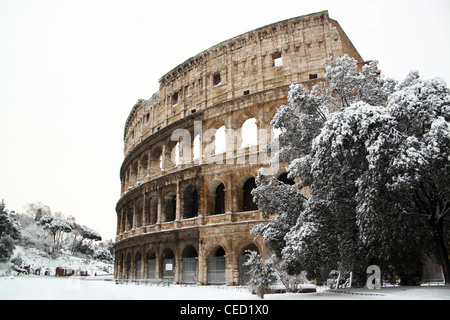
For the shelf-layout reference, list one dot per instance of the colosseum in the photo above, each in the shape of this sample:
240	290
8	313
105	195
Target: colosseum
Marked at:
193	149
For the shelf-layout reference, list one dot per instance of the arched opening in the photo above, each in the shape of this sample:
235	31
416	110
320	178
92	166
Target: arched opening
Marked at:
138	264
284	178
216	267
189	264
220	140
219	206
120	266
155	160
168	264
128	266
249	205
138	212
243	269
191	201
143	168
249	133
197	147
175	154
152	210
134	173
170	206
129	219
151	265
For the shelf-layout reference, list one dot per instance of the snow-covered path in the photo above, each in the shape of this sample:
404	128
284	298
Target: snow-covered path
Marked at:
49	288
52	288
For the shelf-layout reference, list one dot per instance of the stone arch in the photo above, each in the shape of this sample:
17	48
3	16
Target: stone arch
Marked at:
143	167
138	209
134	169
172	156
128	266
244	199
151	264
156	159
169	206
129	216
283	177
248	204
247	245
138	265
220	140
120	265
190	202
168	263
197	147
151	209
249	131
209	137
189	264
216	197
242	258
216	265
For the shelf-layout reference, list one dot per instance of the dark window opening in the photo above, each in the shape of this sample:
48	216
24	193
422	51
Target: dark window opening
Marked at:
168	264
175	98
283	178
220	252
277	59
191	204
171	207
312	76
216	79
216	267
220	199
249	205
246	92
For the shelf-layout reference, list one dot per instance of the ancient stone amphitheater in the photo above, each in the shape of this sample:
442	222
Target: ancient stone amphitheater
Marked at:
193	149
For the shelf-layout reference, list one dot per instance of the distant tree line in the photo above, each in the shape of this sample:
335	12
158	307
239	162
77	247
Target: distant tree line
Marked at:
51	232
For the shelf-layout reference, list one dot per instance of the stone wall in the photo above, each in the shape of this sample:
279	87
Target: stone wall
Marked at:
182	200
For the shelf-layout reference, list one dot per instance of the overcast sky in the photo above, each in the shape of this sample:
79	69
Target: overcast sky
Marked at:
70	72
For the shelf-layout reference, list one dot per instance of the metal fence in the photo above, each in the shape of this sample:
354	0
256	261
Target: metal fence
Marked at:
216	270
244	276
189	273
168	268
151	269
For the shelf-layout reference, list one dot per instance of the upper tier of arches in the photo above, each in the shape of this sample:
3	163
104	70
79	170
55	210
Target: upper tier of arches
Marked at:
266	58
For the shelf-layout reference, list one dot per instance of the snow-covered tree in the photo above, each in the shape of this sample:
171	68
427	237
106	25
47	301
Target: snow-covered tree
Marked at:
58	227
419	170
10	232
262	275
375	154
90	234
279	201
37	210
102	254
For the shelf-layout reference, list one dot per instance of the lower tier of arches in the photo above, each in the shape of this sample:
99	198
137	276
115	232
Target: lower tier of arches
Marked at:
207	255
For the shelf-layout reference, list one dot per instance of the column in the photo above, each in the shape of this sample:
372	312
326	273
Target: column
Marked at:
178	204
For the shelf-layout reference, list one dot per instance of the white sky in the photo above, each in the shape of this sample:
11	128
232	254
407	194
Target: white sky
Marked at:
70	72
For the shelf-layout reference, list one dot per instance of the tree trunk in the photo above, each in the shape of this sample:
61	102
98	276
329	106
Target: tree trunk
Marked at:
435	208
439	241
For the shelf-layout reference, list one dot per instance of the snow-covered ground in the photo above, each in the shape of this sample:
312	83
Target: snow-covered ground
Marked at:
49	288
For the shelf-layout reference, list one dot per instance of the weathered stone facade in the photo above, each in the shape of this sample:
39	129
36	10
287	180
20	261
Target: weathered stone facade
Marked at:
185	210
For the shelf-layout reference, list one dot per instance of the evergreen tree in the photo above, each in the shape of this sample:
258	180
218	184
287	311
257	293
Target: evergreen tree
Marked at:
375	155
9	233
262	275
